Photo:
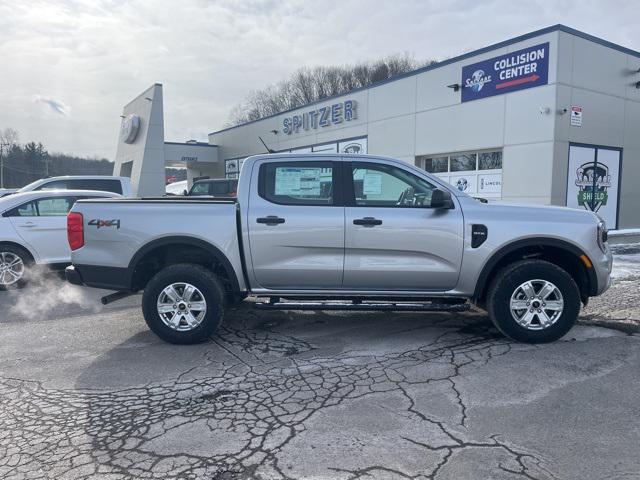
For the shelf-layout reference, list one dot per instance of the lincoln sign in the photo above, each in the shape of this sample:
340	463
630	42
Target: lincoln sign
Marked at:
522	69
321	117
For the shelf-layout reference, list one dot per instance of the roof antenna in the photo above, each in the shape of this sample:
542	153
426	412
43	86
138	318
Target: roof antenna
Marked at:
265	145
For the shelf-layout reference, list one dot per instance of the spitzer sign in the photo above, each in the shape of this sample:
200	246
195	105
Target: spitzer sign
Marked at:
507	73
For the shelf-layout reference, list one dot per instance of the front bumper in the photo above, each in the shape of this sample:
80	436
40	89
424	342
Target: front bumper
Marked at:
603	264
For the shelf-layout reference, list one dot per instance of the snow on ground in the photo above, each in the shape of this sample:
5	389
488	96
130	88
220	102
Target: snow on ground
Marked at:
626	261
618	307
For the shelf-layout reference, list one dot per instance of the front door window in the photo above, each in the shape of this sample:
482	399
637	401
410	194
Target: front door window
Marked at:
379	185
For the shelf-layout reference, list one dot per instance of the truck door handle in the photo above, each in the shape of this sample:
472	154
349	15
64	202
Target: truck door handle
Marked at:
28	225
367	221
270	220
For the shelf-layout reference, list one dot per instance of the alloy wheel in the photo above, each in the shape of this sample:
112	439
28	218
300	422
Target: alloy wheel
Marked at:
536	304
11	268
181	306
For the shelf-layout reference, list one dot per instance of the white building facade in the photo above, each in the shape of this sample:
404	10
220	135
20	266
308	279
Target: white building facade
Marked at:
551	117
142	154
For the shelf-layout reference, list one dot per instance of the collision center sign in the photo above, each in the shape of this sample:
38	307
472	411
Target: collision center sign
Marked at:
525	68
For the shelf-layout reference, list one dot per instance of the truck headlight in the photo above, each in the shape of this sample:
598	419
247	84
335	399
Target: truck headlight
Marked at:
603	236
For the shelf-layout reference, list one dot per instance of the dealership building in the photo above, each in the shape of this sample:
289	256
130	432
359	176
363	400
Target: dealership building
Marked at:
551	117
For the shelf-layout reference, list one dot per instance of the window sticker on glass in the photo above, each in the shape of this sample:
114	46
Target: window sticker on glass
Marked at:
372	184
298	181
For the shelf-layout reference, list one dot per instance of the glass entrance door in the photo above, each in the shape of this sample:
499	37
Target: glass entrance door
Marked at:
593	180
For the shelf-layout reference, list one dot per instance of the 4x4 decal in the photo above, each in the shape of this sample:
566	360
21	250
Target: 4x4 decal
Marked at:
104	223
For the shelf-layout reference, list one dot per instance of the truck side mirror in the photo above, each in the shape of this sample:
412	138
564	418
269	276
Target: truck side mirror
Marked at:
441	199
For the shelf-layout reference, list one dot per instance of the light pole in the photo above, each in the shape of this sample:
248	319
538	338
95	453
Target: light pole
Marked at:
2	145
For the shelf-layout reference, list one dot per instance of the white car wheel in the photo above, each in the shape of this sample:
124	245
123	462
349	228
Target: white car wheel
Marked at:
12	268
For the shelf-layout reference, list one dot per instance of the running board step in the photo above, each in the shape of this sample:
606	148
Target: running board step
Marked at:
371	307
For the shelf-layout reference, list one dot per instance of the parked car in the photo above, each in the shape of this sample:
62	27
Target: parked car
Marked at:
176	188
33	231
215	187
347	232
103	183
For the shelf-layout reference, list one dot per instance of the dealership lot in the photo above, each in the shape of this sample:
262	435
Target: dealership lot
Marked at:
88	392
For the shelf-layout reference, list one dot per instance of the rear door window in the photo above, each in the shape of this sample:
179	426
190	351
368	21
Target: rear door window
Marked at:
54	185
44	207
55	206
102	185
298	183
224	187
25	210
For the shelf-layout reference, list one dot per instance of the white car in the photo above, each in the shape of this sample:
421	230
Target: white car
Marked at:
177	188
7	191
33	230
103	183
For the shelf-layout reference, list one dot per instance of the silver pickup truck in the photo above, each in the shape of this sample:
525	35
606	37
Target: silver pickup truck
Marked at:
347	232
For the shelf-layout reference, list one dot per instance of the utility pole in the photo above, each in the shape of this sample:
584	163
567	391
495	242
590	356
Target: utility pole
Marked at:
2	145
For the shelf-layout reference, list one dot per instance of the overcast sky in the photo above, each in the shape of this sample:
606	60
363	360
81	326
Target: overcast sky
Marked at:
68	67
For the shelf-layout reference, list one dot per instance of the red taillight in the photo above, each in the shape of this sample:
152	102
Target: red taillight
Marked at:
75	231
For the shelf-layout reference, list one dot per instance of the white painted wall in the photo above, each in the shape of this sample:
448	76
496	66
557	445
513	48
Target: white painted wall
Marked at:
419	115
146	153
602	81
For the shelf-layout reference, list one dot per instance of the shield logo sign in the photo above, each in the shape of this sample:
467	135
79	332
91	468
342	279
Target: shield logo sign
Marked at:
593	180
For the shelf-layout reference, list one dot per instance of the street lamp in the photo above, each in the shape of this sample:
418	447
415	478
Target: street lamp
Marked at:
2	146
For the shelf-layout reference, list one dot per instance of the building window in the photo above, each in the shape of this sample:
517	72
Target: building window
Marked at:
489	160
476	173
436	164
354	145
463	162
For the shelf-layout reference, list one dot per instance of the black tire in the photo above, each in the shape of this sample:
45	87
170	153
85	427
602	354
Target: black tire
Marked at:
212	292
27	261
516	274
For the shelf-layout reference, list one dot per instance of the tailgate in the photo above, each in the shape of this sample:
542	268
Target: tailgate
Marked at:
117	231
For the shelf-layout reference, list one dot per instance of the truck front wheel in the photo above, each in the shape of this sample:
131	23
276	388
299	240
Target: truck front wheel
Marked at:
183	303
533	301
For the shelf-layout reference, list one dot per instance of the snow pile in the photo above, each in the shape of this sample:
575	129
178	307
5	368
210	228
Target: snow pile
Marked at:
626	261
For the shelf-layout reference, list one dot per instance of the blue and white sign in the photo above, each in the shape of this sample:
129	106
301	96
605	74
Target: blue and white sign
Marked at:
525	68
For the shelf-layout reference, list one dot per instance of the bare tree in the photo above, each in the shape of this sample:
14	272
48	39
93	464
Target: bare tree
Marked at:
9	137
8	140
308	85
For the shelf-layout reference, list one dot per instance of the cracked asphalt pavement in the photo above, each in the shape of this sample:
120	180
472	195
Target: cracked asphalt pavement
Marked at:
88	392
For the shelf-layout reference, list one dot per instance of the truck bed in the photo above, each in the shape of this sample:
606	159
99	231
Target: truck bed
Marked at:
117	233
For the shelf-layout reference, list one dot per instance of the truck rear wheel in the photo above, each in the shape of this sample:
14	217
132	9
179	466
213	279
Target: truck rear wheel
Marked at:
533	301
183	303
